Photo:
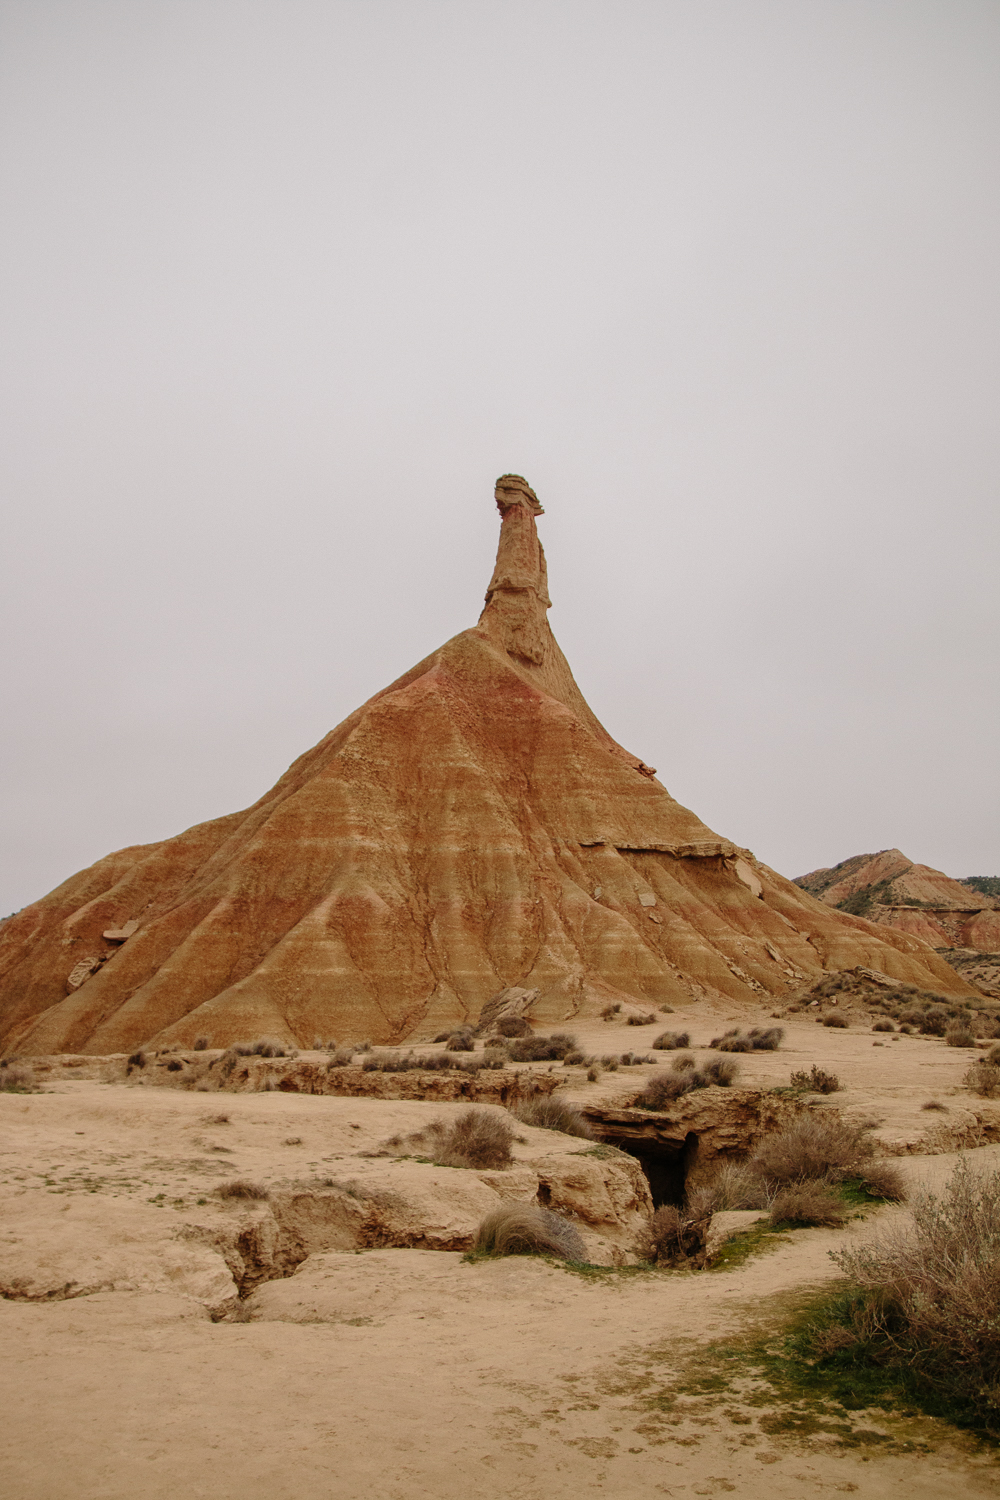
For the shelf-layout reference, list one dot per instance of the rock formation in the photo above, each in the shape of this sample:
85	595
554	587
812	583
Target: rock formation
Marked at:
472	827
891	890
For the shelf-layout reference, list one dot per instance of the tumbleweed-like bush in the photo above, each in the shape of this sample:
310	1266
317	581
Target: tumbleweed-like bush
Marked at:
542	1048
983	1078
526	1229
549	1113
16	1078
758	1039
677	1235
478	1137
671	1041
736	1186
666	1087
816	1081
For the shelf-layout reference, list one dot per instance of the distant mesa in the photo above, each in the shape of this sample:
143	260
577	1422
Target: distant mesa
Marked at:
892	891
471	828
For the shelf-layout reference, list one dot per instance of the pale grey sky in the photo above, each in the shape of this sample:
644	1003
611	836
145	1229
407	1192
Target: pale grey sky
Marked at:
284	286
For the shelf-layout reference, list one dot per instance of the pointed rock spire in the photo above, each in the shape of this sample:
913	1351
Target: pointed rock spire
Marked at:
518	595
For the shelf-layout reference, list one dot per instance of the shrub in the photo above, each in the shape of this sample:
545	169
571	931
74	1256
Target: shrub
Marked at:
611	1063
641	1020
883	1179
266	1046
682	1063
758	1039
137	1060
934	1021
342	1058
808	1203
241	1189
201	1044
933	1288
495	1057
959	1034
736	1186
525	1229
666	1087
442	1036
671	1041
883	1025
983	1078
460	1041
511	1026
816	1081
574	1059
593	1073
16	1078
478	1138
905	1029
836	1019
935	1104
610	1011
677	1235
813	1149
542	1048
174	1066
548	1113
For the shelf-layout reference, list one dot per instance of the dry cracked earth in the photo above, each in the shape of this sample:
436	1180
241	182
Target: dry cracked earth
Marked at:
131	1367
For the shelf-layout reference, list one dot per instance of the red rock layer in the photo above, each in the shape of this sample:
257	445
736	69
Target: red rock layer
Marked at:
472	826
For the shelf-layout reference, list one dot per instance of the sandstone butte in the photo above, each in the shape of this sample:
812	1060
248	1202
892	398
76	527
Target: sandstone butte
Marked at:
470	827
895	892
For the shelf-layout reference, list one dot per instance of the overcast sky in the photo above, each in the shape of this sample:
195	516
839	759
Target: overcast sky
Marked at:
286	285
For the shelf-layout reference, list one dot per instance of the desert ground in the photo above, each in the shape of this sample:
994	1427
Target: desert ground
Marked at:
136	1364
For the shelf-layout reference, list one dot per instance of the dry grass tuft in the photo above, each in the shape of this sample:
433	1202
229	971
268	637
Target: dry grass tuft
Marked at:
683	1063
737	1186
549	1113
242	1189
959	1034
883	1179
641	1020
883	1025
478	1137
808	1203
935	1104
525	1229
837	1020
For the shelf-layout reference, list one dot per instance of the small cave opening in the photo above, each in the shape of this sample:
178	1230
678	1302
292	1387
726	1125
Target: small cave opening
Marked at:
666	1163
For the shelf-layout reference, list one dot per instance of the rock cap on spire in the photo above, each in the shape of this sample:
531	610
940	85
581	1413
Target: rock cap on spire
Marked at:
512	489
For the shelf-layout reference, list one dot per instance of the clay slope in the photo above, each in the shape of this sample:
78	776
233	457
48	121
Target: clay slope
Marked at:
891	890
470	827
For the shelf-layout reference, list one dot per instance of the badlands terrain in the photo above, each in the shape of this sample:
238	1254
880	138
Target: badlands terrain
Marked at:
334	1336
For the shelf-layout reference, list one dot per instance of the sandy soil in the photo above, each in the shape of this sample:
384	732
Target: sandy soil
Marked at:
401	1372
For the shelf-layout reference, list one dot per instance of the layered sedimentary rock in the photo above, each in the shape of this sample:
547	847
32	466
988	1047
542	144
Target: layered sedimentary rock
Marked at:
889	889
471	827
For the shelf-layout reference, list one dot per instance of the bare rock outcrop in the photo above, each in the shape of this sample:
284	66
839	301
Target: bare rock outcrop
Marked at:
470	828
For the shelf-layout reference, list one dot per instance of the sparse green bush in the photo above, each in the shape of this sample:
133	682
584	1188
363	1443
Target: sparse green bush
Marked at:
671	1041
816	1081
549	1113
242	1189
983	1078
526	1229
931	1291
808	1202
